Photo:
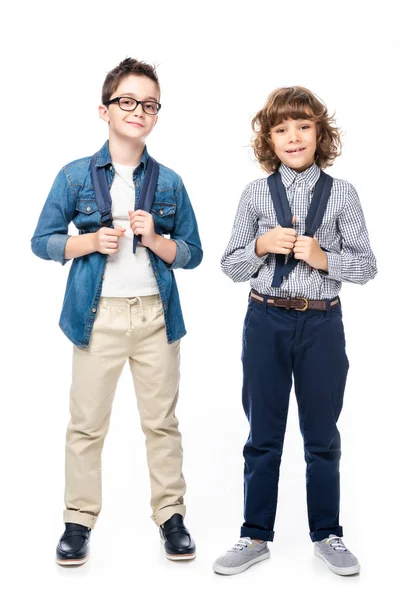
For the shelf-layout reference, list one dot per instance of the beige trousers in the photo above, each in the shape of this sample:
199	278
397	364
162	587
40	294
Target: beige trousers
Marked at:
134	329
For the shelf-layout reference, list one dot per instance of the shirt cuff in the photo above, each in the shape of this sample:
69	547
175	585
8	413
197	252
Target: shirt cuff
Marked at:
334	267
183	255
56	247
252	258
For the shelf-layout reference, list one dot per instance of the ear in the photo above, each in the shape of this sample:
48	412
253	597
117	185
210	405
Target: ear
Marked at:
103	113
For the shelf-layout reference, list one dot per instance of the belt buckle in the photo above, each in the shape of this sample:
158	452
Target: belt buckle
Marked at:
305	307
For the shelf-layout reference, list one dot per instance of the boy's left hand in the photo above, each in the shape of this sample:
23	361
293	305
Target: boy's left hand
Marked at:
141	223
309	250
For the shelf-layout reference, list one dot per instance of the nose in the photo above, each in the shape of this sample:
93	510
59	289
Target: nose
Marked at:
294	135
138	111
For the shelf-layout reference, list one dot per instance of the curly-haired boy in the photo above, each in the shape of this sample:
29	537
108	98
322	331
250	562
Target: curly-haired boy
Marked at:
297	235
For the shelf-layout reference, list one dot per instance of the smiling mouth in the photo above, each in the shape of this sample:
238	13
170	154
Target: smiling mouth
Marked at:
295	151
135	123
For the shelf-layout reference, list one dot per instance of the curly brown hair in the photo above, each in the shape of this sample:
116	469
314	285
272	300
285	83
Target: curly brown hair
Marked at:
129	66
294	103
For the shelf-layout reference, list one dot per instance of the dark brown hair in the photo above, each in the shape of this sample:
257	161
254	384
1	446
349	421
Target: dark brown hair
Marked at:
129	66
294	103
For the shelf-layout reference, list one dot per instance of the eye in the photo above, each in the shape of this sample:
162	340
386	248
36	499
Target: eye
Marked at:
151	107
279	130
305	127
127	102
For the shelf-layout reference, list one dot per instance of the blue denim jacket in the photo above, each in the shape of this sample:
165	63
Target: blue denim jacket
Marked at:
72	199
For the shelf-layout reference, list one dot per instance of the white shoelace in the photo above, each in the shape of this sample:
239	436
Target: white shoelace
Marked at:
241	544
337	544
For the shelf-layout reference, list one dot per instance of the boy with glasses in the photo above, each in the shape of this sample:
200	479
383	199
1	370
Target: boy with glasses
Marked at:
122	303
298	234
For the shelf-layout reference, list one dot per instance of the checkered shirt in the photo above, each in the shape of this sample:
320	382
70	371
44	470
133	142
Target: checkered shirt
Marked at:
343	234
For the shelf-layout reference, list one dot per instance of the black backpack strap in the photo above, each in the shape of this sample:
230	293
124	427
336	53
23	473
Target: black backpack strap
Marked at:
101	191
147	192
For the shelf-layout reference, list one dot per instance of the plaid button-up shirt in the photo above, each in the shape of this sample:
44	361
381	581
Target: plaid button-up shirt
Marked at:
343	234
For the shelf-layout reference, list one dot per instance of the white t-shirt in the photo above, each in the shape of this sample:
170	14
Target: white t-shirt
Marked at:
126	274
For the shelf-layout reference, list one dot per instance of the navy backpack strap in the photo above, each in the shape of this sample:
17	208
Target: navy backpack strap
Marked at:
279	199
285	217
147	192
314	219
318	204
101	191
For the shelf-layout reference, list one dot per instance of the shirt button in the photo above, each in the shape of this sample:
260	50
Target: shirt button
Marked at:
111	168
93	310
88	208
137	184
161	211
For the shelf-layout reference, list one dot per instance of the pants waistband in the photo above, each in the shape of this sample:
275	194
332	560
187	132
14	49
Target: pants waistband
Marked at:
300	304
124	301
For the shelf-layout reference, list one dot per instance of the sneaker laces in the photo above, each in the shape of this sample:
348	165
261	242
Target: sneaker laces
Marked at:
241	544
337	544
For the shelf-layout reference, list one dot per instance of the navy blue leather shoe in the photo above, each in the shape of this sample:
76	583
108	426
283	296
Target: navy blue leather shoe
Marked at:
73	547
178	543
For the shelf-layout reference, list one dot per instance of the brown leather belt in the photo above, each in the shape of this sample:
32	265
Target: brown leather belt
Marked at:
294	303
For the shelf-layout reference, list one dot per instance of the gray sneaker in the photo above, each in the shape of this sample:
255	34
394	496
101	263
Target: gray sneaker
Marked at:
244	553
337	557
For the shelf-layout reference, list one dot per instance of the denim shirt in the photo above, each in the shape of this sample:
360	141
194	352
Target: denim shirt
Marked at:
72	199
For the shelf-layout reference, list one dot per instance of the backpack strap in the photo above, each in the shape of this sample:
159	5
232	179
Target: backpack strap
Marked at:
284	215
102	193
319	203
147	192
279	199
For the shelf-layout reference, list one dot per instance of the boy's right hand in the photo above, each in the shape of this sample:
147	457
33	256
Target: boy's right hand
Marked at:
279	240
106	239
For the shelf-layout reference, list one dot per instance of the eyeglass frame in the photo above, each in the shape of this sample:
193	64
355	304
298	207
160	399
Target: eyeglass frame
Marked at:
142	102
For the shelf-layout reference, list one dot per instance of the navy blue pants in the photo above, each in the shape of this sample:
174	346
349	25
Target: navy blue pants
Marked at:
309	346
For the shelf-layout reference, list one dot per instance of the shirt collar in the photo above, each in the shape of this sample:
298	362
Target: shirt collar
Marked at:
310	176
104	157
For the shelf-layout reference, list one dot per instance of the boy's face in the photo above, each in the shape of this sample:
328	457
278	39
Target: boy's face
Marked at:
131	125
295	142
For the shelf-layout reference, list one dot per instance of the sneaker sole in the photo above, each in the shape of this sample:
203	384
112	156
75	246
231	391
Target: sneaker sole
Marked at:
353	570
235	570
71	562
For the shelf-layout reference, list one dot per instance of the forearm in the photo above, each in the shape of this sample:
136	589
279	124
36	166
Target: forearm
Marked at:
260	248
164	248
80	245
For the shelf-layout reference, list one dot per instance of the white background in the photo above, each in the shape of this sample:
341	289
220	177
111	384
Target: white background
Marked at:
217	62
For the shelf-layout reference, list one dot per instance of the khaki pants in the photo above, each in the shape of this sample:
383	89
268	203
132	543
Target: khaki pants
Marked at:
134	329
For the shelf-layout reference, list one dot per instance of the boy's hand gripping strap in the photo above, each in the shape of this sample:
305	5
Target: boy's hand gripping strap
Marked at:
103	198
284	215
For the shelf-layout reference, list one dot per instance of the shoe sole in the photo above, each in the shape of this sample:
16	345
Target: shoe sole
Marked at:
353	570
177	556
180	556
235	570
71	562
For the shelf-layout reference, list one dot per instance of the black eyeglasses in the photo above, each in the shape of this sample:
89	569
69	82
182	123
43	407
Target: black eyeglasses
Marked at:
127	103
